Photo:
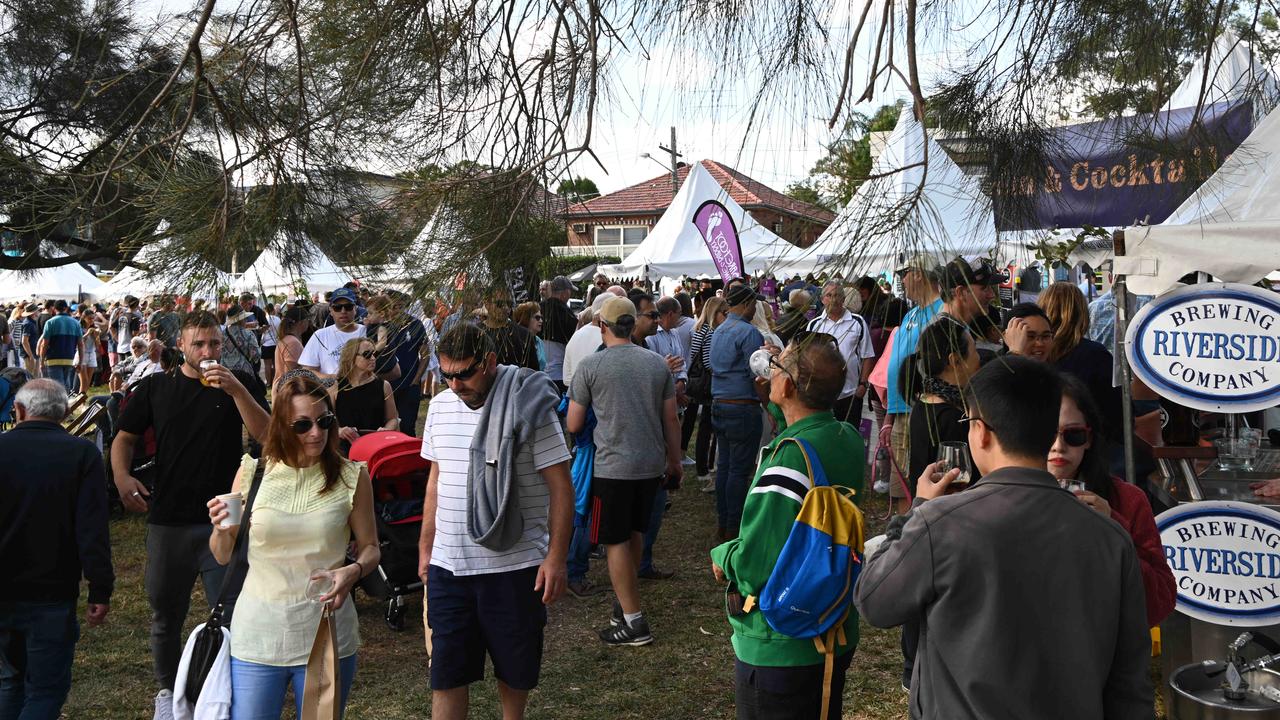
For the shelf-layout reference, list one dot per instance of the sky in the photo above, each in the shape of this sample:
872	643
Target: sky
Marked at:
708	102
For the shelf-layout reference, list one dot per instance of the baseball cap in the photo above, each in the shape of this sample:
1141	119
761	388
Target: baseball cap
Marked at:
616	308
918	261
740	295
973	270
343	294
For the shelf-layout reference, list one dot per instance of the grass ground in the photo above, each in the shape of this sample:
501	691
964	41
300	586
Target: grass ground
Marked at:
686	674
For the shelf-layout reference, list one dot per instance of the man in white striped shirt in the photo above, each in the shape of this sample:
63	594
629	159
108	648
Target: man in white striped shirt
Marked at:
853	337
482	601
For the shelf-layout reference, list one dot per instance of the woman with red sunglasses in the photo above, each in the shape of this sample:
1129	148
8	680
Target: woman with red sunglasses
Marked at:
1080	466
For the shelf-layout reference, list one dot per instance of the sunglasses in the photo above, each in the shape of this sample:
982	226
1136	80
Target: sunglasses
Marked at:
538	318
652	314
368	354
1075	435
344	307
303	426
462	374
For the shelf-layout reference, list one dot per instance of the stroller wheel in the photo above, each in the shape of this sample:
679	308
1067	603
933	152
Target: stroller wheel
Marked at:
395	614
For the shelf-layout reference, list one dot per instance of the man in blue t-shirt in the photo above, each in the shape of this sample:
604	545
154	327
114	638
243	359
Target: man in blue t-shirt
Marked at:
919	278
61	346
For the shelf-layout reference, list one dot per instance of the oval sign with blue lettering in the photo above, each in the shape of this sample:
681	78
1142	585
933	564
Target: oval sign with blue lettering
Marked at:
1225	558
1210	346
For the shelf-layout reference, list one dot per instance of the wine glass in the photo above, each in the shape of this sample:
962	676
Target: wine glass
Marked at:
953	455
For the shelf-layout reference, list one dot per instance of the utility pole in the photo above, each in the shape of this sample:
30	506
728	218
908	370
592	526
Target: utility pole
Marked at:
675	177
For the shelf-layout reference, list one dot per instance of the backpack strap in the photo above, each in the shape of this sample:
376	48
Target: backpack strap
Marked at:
811	462
826	645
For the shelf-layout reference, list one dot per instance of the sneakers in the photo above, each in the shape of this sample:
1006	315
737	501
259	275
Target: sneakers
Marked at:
616	617
635	634
708	484
688	461
653	573
164	704
584	588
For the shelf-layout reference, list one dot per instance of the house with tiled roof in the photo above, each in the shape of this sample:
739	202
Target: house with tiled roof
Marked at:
616	223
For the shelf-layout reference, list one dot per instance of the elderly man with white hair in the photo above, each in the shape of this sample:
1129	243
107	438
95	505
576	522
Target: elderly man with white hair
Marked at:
122	371
853	337
54	517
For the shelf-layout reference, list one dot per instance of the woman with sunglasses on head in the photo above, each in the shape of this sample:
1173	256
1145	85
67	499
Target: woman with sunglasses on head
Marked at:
933	381
362	400
1080	465
528	315
310	502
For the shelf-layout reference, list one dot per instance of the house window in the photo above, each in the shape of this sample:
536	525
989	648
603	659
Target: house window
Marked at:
777	228
629	235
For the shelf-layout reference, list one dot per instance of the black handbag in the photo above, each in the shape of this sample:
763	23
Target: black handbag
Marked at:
204	653
698	388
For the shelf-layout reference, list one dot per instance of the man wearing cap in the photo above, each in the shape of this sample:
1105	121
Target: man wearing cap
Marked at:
321	353
586	339
558	325
61	342
968	289
853	338
735	407
633	395
919	277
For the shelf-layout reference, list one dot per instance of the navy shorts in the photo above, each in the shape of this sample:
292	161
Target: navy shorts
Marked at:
620	508
498	614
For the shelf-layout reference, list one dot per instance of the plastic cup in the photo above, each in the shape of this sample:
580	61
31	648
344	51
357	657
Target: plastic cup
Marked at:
235	509
205	366
321	583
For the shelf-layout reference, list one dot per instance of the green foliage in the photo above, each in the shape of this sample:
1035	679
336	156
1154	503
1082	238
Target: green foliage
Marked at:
806	191
553	265
848	160
578	189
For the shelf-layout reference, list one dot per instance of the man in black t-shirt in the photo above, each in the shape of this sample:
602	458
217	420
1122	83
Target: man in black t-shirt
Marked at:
513	344
197	417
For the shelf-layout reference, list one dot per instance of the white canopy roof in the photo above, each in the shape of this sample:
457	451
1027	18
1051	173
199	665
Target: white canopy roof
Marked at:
1234	73
674	247
140	283
885	222
65	282
271	273
1229	227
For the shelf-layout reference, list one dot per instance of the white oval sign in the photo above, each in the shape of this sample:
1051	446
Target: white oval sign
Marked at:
1211	346
1225	558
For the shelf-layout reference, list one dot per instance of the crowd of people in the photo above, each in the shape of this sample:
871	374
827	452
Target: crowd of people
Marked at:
556	436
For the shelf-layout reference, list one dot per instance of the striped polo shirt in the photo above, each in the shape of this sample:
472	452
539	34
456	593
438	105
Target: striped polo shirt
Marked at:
61	337
446	441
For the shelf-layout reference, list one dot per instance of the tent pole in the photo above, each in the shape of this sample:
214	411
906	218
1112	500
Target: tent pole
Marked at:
1121	292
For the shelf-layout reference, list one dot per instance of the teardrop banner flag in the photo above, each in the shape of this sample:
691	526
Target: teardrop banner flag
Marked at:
721	236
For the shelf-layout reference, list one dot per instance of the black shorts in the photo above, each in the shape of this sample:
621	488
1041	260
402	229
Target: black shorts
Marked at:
620	507
496	613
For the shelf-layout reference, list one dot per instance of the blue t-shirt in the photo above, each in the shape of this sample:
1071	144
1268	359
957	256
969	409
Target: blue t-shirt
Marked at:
31	333
905	341
731	346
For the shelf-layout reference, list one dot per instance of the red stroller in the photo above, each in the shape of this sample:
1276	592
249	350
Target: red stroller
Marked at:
399	477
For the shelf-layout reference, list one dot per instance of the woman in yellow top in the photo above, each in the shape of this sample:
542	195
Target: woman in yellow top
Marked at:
312	500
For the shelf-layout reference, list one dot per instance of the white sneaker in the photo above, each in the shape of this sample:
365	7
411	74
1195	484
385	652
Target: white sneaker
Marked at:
881	486
164	705
708	484
688	461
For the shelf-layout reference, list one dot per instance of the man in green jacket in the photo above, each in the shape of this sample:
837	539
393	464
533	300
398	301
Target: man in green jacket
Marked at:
779	676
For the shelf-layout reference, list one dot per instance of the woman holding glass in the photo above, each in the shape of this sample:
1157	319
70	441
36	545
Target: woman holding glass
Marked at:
311	501
1080	465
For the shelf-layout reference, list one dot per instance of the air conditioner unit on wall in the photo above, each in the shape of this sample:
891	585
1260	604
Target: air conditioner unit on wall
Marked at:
580	228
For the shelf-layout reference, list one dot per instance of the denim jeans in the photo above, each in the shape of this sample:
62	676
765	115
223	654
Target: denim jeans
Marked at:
738	429
579	560
37	645
257	691
65	374
655	524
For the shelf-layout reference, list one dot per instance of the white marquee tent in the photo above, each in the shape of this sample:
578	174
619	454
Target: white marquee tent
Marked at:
674	247
65	282
1229	227
1234	73
271	273
884	222
140	283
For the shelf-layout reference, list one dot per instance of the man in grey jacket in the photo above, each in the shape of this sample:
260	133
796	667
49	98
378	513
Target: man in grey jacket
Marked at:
1029	605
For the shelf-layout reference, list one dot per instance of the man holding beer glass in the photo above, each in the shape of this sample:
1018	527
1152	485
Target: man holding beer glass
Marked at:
197	414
